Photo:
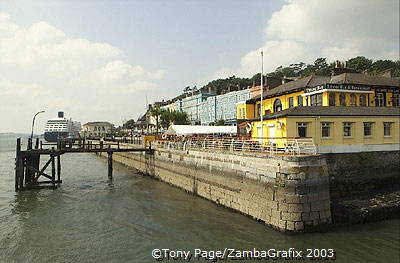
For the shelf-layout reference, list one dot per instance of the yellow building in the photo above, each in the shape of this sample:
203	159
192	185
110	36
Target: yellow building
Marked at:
344	113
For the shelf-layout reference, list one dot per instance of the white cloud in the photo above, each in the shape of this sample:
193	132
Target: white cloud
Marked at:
304	30
42	68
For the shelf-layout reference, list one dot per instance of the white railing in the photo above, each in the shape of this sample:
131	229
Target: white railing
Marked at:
272	146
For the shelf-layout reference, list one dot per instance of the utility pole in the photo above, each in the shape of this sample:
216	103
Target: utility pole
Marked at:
262	97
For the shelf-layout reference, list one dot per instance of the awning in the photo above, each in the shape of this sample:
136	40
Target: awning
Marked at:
198	129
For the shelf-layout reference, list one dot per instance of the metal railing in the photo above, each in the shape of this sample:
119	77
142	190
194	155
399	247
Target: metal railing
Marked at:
272	146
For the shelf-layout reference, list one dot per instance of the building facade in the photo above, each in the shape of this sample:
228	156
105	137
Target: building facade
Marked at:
97	129
191	105
343	113
222	107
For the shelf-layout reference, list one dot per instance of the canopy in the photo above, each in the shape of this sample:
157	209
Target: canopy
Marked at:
198	129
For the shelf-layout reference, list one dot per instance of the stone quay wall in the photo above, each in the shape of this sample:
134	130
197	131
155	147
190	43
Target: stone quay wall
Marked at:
356	174
288	193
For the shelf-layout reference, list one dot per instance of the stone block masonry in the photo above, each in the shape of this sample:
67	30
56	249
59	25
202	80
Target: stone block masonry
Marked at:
290	194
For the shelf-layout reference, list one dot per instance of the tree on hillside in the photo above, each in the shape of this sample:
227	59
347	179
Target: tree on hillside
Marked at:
381	65
359	64
129	124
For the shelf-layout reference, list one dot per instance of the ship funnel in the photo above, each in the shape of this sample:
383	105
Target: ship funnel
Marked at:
60	114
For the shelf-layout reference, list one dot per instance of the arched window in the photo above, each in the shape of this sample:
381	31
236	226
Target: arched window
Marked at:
332	99
342	99
277	105
363	100
352	100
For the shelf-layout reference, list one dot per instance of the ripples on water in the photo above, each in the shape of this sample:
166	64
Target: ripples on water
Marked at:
90	219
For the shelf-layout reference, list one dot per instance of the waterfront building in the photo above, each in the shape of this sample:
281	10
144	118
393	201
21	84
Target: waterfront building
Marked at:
222	107
342	113
191	105
97	129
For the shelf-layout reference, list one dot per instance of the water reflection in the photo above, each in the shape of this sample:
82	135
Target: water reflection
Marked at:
92	219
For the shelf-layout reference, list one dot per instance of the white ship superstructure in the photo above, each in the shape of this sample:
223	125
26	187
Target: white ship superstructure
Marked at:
61	128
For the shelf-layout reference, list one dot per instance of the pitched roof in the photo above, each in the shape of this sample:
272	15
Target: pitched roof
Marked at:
292	86
334	111
316	80
362	79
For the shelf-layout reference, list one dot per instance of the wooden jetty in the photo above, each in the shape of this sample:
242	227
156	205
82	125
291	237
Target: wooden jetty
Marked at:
27	162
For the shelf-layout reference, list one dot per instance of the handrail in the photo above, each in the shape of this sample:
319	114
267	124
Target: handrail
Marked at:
276	145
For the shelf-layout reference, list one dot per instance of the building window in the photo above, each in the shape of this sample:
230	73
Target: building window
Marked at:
352	100
387	129
396	99
277	105
347	129
302	129
291	104
380	99
316	100
326	129
342	99
300	100
363	100
332	99
368	129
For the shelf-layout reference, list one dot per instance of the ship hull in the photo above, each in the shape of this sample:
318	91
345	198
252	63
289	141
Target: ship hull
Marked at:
54	136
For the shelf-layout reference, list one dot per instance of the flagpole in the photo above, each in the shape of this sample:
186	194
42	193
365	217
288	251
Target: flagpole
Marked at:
262	97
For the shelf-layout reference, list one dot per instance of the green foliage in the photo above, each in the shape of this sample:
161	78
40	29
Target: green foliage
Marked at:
220	122
301	69
382	65
173	117
180	118
129	124
155	112
359	64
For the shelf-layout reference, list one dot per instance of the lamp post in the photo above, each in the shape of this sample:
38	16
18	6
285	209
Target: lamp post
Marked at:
261	102
33	122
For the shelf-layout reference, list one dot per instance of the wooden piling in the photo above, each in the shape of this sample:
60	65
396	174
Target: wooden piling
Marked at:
17	167
53	169
110	167
29	146
58	168
37	143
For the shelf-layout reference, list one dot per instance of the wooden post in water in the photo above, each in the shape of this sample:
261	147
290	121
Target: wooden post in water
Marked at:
110	167
58	168
53	169
17	167
37	143
29	146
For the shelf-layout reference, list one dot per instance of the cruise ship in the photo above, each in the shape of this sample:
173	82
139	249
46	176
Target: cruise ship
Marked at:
61	127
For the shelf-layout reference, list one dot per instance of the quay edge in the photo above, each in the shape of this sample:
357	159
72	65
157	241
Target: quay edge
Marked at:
289	193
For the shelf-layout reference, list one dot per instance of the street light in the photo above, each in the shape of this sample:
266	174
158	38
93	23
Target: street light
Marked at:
33	122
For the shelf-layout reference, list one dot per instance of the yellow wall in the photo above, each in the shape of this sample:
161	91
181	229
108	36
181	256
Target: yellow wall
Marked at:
248	111
268	104
280	130
314	130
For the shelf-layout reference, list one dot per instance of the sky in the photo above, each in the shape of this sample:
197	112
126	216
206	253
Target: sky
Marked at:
104	60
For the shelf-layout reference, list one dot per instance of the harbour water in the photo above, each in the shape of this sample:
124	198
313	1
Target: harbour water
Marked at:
90	219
